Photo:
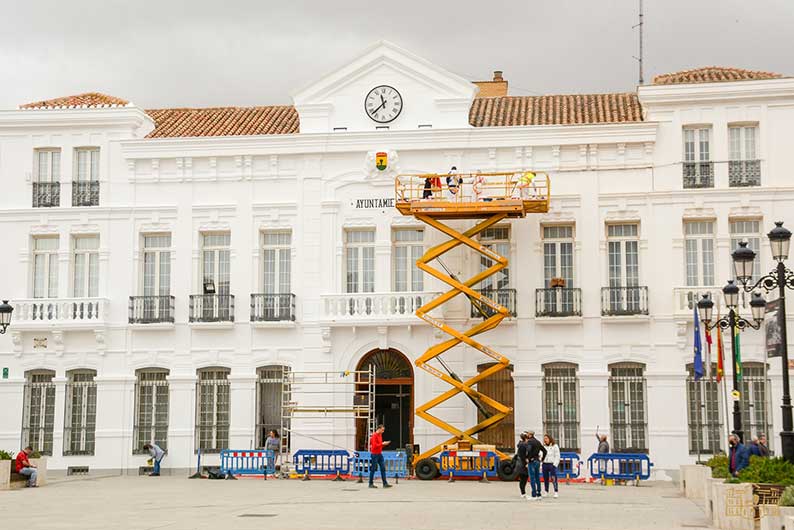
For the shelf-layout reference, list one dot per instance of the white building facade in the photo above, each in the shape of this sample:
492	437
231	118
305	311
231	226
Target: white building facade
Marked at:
167	266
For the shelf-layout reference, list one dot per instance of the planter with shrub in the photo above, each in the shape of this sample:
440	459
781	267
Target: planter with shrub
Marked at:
6	459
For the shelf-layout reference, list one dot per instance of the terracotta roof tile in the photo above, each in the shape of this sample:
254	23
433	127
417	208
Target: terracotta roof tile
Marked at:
712	74
89	99
224	121
555	110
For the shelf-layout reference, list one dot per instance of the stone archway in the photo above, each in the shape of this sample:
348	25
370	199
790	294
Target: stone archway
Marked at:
394	397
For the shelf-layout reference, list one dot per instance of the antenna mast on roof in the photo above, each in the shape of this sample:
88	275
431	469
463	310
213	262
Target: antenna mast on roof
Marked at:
639	59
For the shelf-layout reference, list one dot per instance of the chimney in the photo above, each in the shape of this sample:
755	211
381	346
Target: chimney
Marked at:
493	89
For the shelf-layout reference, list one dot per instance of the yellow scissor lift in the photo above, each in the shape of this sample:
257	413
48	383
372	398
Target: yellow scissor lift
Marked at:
488	198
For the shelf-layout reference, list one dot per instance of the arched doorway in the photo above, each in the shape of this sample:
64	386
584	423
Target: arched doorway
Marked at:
394	397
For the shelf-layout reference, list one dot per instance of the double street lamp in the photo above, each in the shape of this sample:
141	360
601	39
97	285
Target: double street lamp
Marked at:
733	321
779	278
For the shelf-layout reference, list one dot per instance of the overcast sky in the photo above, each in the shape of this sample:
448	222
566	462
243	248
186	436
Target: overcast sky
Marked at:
169	53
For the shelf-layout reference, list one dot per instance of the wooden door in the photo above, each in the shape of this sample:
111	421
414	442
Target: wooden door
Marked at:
499	386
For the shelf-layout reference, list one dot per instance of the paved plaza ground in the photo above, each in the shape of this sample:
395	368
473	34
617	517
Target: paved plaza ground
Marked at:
174	503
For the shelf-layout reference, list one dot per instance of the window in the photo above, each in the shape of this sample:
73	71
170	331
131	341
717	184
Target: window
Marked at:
270	387
48	165
558	263
360	261
753	401
698	168
151	409
277	261
408	247
744	167
561	404
80	417
627	408
699	241
212	409
703	413
87	159
38	416
750	231
498	240
217	305
157	265
45	267
624	293
85	260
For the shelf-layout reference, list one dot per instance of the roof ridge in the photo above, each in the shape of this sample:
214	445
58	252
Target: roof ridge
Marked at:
226	107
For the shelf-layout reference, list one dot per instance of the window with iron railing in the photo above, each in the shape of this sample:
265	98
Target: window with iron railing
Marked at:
561	404
270	389
744	166
85	188
275	302
80	416
38	416
215	304
151	409
627	405
698	169
624	296
703	413
46	184
213	409
558	263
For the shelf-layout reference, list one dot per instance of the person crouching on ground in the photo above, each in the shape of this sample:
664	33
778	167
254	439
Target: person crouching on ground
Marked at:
521	464
25	468
376	445
157	455
738	455
534	450
550	463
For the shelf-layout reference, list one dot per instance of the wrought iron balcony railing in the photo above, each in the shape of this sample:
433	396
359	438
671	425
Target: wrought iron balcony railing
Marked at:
558	302
272	307
698	175
85	193
211	308
46	194
744	173
505	297
152	309
617	301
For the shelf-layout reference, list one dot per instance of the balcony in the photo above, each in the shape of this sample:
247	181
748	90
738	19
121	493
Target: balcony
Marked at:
155	309
85	193
698	175
43	313
685	299
273	307
373	308
211	308
624	301
744	173
46	194
505	297
558	302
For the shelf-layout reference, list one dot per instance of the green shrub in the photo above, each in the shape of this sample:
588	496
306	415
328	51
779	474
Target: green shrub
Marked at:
35	454
787	497
719	466
5	455
768	471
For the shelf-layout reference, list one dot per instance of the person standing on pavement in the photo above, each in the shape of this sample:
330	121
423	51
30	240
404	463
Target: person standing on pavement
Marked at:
603	444
738	455
521	464
550	463
157	455
25	468
534	450
758	446
376	445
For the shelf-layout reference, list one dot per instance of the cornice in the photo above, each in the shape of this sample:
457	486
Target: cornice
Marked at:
421	139
120	117
769	89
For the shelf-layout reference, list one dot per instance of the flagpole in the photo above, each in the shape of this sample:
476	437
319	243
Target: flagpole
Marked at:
725	409
699	439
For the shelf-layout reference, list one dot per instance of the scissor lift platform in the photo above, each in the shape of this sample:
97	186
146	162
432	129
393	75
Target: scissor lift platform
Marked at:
489	198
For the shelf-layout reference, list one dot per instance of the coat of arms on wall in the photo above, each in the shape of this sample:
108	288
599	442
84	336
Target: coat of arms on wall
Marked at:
381	164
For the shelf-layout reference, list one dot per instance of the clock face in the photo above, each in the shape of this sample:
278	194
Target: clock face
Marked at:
383	104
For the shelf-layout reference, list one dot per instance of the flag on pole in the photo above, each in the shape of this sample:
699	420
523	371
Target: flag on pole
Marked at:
698	349
737	353
708	352
720	354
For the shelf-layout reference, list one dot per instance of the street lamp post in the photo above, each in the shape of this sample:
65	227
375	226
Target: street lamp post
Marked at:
732	321
5	316
779	278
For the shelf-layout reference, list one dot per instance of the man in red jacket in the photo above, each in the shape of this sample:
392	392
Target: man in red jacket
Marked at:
25	468
376	445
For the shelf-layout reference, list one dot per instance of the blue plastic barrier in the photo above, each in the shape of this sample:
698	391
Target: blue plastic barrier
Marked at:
321	462
570	466
468	463
251	462
396	464
619	466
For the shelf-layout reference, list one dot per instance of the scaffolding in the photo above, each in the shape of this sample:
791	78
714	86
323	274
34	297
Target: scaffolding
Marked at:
326	395
489	198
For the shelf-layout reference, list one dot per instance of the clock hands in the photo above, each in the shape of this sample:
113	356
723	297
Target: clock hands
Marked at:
382	105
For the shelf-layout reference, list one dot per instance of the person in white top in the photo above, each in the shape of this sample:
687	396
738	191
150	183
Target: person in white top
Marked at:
550	463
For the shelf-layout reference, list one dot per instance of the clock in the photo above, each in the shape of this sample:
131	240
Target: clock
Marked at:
383	104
